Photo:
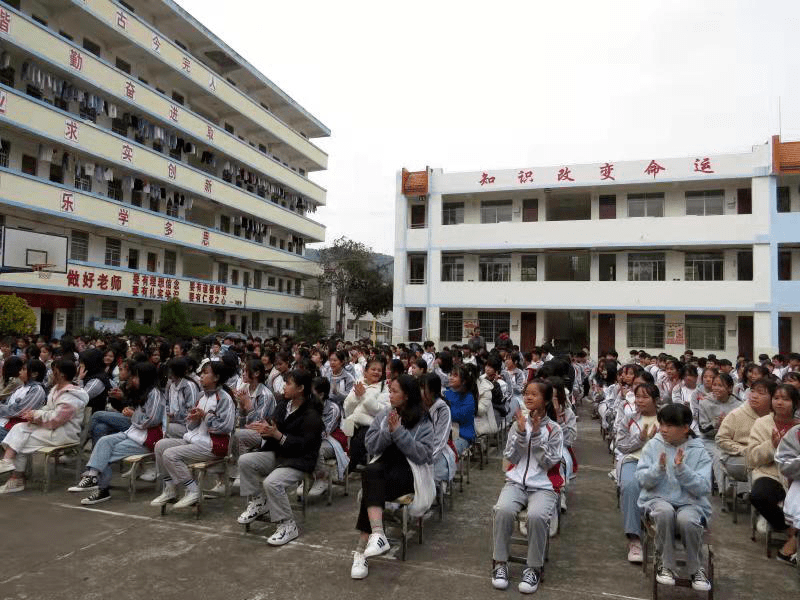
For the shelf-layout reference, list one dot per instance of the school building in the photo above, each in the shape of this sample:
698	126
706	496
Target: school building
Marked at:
168	164
657	254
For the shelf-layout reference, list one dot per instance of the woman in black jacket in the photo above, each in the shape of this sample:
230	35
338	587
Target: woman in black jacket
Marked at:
93	379
291	441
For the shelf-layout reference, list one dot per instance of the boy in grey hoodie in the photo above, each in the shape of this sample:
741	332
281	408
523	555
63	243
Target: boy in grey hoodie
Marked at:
674	473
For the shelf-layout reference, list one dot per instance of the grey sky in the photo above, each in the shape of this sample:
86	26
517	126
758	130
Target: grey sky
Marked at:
468	85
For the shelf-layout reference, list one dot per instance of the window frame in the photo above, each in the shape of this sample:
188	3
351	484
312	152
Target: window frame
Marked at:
705	196
82	246
452	267
698	265
453	213
693	322
652	202
113	255
525	271
494	207
451	325
657	258
650	327
494	267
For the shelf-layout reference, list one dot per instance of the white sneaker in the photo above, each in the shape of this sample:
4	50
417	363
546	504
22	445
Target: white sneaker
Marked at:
522	520
218	489
377	545
255	508
761	524
236	483
635	552
320	487
299	492
285	533
359	570
6	465
563	503
149	474
189	499
168	495
12	485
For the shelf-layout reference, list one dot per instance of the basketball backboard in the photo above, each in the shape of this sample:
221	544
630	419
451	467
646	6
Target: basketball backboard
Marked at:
22	250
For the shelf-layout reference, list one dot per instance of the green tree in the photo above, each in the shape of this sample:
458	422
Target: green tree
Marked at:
16	317
174	322
311	326
372	294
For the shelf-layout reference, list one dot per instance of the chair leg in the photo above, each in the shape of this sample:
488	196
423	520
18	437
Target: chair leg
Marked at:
421	523
134	472
404	533
710	570
46	485
201	477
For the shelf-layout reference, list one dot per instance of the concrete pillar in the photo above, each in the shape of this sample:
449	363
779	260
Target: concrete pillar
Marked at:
594	270
431	325
765	333
594	341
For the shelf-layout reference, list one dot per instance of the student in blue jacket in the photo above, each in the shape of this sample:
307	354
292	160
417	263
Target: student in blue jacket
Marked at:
674	473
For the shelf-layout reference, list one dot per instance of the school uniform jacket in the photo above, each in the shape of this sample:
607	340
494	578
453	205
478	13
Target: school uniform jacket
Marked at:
303	430
787	454
415	443
533	455
28	397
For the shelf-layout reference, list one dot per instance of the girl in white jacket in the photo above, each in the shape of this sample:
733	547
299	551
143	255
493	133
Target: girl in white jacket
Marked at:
365	400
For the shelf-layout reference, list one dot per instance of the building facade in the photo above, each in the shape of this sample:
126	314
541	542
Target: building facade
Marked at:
170	163
656	254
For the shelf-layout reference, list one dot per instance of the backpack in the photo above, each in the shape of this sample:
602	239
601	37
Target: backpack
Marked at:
498	402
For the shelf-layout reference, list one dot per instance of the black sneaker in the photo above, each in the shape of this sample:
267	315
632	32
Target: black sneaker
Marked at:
700	581
97	497
665	576
500	577
530	581
88	483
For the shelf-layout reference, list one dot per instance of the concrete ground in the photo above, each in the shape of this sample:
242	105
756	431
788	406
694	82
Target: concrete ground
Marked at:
52	547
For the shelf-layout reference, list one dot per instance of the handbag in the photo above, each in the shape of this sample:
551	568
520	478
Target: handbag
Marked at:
340	437
424	488
219	444
153	435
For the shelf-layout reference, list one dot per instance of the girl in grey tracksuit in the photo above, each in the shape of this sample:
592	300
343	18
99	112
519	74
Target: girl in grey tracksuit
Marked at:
29	396
181	396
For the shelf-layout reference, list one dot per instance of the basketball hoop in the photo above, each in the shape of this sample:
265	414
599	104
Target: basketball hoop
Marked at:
40	269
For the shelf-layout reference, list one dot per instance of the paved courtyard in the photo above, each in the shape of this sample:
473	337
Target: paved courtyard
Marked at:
55	548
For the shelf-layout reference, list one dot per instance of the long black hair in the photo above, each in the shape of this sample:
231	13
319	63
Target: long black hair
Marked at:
147	373
432	383
303	378
11	367
413	410
546	390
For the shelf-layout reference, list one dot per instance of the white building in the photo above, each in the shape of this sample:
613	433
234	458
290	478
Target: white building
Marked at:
659	254
172	165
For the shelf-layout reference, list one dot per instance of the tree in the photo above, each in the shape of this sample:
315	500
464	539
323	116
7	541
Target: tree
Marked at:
372	294
174	322
311	326
344	268
16	317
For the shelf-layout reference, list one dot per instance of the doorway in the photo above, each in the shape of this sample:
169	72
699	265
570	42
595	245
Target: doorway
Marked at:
527	340
568	329
46	323
606	333
745	328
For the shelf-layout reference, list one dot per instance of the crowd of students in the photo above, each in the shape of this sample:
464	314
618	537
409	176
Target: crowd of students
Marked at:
403	416
680	427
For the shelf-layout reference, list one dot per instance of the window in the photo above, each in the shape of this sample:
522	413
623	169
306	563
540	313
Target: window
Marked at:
28	165
608	267
273	241
172	208
178	97
108	309
451	325
452	213
91	46
130	314
83	182
416	269
39	20
452	267
744	265
133	259
79	246
646	331
56	173
494	267
415	319
5	150
270	321
234	276
491	323
646	266
575	207
608	207
152	262
75	316
784	199
136	197
567	266
256	284
709	202
123	65
222	275
280	285
65	35
528	267
298	286
115	189
418	212
224	224
270	282
646	205
282	244
229	128
87	114
496	211
256	321
530	210
155	204
289	286
113	252
704	266
784	265
148	316
705	332
170	262
118	126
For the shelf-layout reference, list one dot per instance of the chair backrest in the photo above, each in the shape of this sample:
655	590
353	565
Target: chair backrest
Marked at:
87	419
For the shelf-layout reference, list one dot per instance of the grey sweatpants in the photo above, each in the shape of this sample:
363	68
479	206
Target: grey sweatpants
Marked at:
690	524
733	466
540	504
173	456
258	475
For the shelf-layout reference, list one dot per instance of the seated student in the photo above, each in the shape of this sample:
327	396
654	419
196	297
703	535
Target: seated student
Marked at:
334	441
674	473
181	396
418	368
787	457
768	485
734	432
105	422
491	374
632	434
604	387
534	448
442	366
341	379
140	438
57	423
214	416
365	400
714	407
29	396
515	378
568	422
93	379
10	381
290	448
401	437
462	397
444	458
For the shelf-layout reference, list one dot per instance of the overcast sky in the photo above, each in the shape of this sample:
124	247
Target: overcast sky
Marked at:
467	85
